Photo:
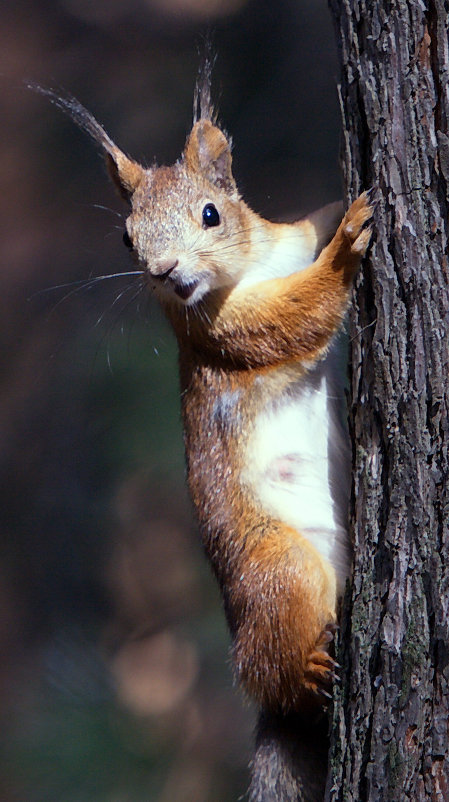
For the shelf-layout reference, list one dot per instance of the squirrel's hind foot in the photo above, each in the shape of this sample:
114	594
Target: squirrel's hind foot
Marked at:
320	672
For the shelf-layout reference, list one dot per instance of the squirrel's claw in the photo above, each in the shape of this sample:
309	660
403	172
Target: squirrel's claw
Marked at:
321	667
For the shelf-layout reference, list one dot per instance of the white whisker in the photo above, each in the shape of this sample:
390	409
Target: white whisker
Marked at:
107	209
84	283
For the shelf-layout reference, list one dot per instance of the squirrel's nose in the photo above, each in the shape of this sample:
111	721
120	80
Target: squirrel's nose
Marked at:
164	268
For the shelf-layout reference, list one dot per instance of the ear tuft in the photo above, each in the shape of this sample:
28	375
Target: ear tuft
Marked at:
208	151
125	173
202	103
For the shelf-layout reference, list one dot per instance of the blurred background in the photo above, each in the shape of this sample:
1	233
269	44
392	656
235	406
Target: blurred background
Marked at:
115	682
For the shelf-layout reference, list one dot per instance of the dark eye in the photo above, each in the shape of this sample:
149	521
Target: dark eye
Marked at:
210	216
127	240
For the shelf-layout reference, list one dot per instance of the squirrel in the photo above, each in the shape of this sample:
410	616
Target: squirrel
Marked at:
255	307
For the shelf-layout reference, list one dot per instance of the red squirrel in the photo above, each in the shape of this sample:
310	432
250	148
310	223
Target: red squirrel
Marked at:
255	306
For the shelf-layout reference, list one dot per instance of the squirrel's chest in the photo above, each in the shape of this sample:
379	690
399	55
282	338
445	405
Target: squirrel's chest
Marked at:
294	463
274	439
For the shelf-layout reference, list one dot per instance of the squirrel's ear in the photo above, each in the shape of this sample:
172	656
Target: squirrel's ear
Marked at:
125	173
208	151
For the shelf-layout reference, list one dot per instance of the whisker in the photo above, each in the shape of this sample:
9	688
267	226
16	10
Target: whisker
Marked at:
107	209
293	234
82	283
203	312
116	300
107	334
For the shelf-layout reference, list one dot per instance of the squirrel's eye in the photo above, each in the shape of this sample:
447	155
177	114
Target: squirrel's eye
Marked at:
210	215
127	240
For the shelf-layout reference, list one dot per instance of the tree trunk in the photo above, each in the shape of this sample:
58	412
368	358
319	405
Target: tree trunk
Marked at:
390	734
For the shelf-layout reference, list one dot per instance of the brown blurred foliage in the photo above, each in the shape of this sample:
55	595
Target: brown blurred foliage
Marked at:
115	682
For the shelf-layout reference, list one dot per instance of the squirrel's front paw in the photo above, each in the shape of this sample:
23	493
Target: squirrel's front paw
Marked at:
357	224
320	671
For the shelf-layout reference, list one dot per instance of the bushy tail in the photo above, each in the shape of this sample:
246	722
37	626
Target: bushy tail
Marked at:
290	763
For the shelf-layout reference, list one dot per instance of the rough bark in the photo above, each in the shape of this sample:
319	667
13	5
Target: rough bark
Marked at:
390	733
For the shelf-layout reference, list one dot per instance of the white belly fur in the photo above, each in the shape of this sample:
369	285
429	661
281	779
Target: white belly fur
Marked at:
297	465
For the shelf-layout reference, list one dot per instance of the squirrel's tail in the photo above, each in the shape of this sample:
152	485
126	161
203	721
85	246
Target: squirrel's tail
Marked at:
290	763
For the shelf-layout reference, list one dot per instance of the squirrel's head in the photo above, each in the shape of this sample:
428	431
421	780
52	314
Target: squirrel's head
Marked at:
187	223
185	218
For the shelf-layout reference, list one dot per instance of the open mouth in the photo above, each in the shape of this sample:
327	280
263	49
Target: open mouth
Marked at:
184	291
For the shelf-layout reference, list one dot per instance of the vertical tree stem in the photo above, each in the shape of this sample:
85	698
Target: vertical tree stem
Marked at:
390	739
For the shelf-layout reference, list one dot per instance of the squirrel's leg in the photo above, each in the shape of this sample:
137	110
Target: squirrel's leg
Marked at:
281	610
295	317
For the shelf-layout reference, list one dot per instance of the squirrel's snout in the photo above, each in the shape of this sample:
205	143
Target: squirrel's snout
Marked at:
164	268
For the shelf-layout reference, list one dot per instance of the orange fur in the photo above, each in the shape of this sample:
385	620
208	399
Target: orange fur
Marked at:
279	595
244	345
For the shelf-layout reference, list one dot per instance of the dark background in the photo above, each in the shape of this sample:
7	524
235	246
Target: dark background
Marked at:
115	681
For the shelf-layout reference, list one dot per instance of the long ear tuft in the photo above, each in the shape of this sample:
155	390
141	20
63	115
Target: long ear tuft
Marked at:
202	104
208	149
125	172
